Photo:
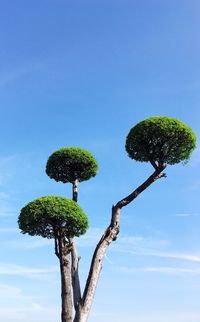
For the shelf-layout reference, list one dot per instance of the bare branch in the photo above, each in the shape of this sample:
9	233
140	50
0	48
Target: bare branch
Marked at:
66	314
56	246
153	163
75	275
155	176
75	190
109	235
75	259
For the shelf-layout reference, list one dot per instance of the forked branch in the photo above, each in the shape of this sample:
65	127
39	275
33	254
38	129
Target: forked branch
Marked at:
109	235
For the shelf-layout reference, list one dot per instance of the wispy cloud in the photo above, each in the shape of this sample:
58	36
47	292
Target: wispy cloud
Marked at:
18	305
30	312
151	247
149	315
179	256
143	242
159	269
187	215
12	269
170	255
28	243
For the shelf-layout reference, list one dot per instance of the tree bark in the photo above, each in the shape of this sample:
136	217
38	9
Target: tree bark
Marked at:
74	258
75	190
75	276
109	235
65	271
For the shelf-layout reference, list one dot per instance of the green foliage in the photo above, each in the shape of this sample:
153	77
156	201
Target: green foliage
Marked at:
43	215
160	139
68	164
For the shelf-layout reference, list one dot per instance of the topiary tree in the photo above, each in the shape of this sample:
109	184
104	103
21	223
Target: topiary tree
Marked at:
62	219
159	140
71	165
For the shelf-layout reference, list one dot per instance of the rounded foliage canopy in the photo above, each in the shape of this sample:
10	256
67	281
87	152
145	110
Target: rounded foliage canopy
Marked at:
45	215
69	164
160	139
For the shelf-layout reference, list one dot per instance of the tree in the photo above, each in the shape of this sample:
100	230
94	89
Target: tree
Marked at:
62	219
159	140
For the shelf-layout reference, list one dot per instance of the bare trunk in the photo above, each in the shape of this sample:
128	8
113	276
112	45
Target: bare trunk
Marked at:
65	271
75	190
81	316
75	276
96	265
74	258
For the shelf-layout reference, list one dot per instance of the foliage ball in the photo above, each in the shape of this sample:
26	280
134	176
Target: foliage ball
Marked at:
69	164
44	215
161	139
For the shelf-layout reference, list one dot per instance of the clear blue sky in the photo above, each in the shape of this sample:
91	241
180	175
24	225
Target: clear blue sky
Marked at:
82	73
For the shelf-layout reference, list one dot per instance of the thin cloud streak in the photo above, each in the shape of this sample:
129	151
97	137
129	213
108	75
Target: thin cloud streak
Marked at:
176	256
11	269
159	269
187	215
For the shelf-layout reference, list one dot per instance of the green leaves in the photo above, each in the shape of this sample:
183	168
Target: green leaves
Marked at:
160	139
69	164
45	215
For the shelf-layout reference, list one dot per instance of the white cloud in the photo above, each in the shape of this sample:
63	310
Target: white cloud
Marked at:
11	291
28	243
179	256
176	256
12	269
143	242
145	315
16	305
31	312
187	215
159	269
149	246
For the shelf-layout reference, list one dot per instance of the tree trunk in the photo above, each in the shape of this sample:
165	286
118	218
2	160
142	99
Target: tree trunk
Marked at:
65	271
75	276
96	265
75	190
81	316
74	258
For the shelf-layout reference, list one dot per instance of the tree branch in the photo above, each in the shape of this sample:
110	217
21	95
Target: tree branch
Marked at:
56	246
75	276
75	190
66	314
109	235
155	176
75	259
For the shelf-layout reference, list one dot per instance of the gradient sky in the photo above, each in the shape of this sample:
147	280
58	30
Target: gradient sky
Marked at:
82	73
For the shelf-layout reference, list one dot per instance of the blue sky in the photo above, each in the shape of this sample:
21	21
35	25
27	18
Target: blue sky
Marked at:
82	73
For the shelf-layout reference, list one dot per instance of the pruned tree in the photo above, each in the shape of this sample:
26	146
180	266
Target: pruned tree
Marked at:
159	140
62	219
72	165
